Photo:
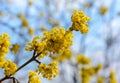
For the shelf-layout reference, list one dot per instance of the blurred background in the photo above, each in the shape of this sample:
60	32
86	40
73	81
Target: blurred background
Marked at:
24	19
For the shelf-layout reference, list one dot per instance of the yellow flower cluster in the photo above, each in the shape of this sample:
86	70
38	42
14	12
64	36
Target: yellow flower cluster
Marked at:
25	23
79	22
112	77
82	59
66	54
4	43
2	57
100	80
57	40
87	72
30	2
103	10
30	31
36	45
9	68
4	47
48	71
15	48
34	77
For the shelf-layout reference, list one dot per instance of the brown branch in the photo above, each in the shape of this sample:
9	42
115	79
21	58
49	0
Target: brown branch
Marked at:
26	63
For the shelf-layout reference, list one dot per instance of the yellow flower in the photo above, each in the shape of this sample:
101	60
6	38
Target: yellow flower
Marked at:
36	45
57	40
48	71
103	10
34	77
98	68
79	22
20	15
100	80
2	57
31	31
9	68
4	43
15	48
82	59
30	2
24	23
112	77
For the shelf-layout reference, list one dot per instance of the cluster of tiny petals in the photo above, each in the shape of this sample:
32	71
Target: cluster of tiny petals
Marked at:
82	59
36	45
30	31
112	77
34	77
15	48
103	10
4	43
48	71
87	72
100	80
79	22
9	68
58	39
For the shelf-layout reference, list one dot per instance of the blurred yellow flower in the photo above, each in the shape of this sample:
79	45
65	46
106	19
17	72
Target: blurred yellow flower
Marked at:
9	68
103	10
79	22
34	77
31	31
100	80
15	48
82	59
48	71
4	43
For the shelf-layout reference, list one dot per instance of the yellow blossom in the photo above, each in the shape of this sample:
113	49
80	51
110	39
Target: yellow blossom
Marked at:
4	43
9	68
31	31
30	2
20	15
79	22
100	80
98	68
48	71
86	72
103	10
24	22
57	40
112	77
36	45
34	77
15	48
82	59
2	57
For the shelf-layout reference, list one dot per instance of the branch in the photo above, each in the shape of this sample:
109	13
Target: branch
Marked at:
26	63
